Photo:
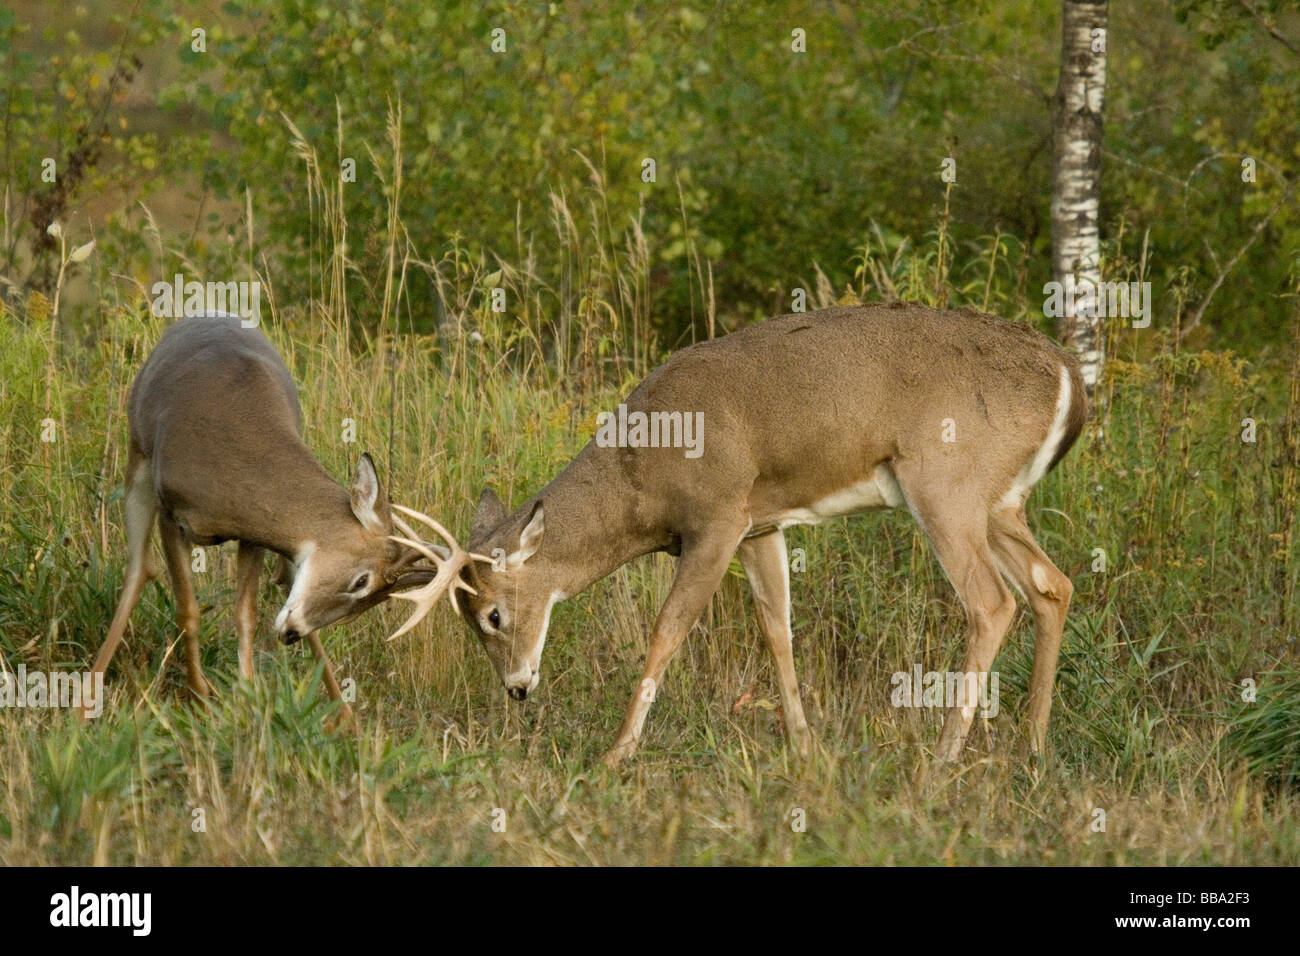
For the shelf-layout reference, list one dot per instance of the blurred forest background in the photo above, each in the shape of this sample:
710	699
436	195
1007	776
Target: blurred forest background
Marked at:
774	169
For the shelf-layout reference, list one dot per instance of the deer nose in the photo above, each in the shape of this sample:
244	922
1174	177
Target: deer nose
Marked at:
290	636
518	693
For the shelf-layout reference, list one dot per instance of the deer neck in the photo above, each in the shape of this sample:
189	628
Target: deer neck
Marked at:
591	524
303	506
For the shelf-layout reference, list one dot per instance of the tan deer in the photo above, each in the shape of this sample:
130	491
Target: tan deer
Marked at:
216	454
954	415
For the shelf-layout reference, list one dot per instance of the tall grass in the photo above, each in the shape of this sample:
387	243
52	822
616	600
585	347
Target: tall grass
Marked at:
1194	525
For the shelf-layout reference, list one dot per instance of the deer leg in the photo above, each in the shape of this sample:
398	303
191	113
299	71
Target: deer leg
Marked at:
283	577
767	566
331	682
1048	592
958	528
177	553
700	569
141	509
248	569
990	609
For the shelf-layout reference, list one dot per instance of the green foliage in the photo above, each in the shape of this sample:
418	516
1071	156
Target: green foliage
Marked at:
79	768
771	164
1266	732
61	109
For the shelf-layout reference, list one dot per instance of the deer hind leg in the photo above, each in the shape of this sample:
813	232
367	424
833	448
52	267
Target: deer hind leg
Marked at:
958	528
767	566
248	569
700	569
990	608
177	553
1048	591
141	507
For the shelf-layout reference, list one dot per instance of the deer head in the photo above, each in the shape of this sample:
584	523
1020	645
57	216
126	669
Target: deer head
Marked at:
350	565
510	610
505	600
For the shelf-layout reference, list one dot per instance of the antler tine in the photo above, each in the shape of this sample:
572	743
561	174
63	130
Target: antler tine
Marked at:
426	597
418	516
423	548
446	580
443	532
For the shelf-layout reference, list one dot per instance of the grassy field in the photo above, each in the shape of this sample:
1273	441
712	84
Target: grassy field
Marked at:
1150	725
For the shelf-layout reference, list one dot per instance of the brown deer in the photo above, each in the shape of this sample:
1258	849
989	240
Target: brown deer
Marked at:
216	454
954	415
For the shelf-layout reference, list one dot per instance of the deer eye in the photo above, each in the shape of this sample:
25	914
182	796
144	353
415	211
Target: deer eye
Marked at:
360	583
494	618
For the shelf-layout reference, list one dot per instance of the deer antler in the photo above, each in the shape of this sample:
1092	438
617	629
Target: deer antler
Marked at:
449	566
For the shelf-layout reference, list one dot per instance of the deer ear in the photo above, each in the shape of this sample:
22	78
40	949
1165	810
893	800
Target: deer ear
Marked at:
491	512
369	503
530	539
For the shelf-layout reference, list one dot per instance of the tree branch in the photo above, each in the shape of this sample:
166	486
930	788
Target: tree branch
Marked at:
1236	257
1268	27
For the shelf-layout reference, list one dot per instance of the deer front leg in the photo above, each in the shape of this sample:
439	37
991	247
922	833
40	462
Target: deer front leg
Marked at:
283	576
248	569
768	569
331	682
700	569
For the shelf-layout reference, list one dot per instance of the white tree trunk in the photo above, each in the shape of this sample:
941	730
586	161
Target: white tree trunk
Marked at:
1076	173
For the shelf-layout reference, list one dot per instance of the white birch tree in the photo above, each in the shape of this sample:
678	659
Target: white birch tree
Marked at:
1076	175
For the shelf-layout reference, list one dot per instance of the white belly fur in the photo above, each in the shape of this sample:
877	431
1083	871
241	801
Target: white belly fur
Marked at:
879	490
